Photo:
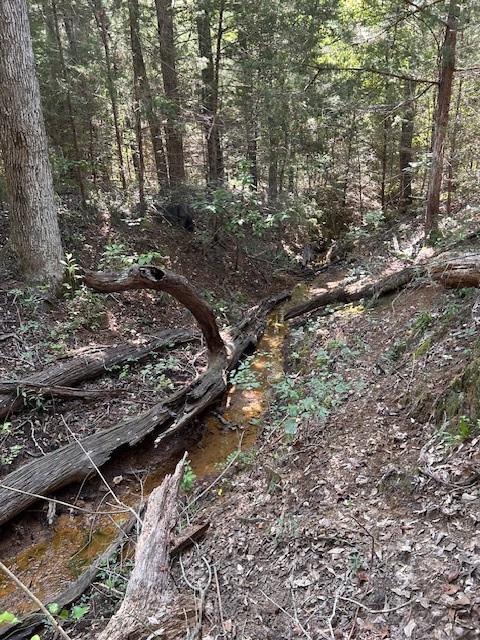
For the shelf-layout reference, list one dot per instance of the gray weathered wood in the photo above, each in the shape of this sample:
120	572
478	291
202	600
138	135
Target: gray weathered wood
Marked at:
72	371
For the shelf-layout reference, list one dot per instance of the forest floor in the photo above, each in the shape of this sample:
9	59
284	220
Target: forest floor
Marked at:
353	512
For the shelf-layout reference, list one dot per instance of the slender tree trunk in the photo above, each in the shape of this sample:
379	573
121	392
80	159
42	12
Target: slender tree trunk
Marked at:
35	235
138	155
71	30
406	151
209	116
145	95
175	155
71	116
447	71
272	164
348	161
103	27
453	161
385	140
248	108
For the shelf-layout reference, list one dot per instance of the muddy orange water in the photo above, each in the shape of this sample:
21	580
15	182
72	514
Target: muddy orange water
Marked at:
61	552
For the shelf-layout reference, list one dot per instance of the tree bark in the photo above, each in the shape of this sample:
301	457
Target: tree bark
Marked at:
209	107
102	23
175	155
77	171
90	365
453	160
150	604
145	96
355	292
457	271
35	234
406	151
447	71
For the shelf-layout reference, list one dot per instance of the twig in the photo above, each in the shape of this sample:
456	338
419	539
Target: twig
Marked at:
370	535
219	597
196	632
376	611
64	504
289	615
34	599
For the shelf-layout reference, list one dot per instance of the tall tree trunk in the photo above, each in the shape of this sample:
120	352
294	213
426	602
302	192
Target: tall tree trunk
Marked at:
138	155
145	95
209	108
447	71
176	161
35	234
248	108
406	151
71	116
453	160
272	163
103	26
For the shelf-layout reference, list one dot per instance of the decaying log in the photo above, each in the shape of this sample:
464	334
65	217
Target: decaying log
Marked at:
355	292
20	387
456	271
68	464
72	371
149	604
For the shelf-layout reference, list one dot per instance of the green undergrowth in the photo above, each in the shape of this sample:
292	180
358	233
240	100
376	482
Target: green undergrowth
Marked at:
313	384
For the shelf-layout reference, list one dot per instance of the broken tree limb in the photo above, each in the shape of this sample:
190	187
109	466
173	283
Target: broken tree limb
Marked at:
149	604
90	365
151	277
354	292
168	418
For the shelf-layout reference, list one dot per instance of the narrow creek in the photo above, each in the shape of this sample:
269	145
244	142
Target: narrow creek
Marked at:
53	557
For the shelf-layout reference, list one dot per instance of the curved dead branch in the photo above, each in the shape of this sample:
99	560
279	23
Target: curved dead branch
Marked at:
159	279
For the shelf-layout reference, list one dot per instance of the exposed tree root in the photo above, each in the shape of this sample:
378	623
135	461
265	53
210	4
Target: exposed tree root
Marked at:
72	371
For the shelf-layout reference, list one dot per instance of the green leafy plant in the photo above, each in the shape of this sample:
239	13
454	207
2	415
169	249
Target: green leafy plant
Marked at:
189	478
5	428
9	455
76	613
244	377
6	617
71	274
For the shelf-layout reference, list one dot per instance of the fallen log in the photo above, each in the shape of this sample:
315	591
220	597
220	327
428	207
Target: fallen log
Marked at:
90	365
150	604
72	462
456	271
158	279
21	387
354	292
